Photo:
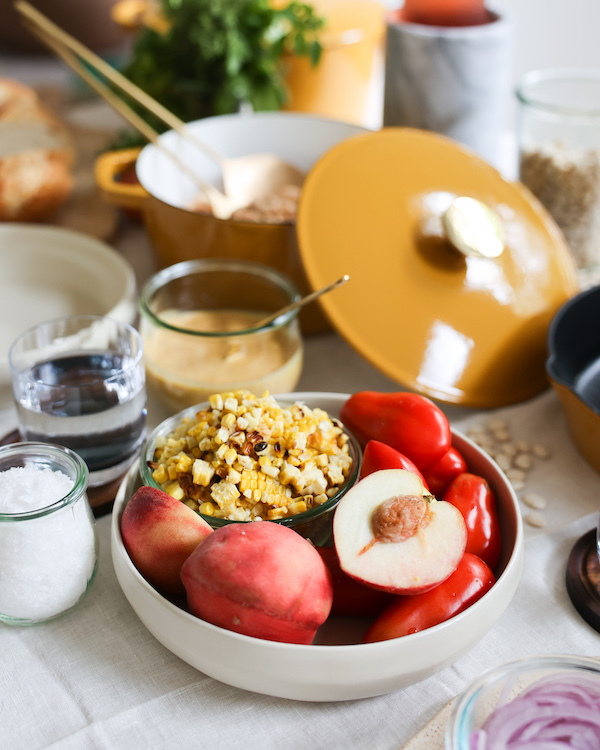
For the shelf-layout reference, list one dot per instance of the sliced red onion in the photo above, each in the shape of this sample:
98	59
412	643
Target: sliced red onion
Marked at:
554	713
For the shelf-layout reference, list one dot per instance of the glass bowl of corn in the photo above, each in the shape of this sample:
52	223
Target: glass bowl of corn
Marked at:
242	458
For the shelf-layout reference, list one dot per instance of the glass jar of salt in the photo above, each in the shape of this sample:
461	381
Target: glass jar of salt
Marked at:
48	547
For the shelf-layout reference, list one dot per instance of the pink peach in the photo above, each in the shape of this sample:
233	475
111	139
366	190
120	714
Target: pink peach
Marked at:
160	533
260	579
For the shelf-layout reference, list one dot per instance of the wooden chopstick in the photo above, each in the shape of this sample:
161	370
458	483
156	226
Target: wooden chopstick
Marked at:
39	22
115	101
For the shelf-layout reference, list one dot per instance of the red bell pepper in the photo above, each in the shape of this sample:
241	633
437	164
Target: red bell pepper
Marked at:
476	501
350	597
408	422
411	614
378	456
442	472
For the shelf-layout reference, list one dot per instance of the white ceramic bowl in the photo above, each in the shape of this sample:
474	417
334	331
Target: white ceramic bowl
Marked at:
337	666
49	272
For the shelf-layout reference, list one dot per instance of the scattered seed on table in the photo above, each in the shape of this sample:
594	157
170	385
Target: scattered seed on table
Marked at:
495	423
510	449
502	436
523	461
503	461
540	451
533	500
535	519
523	446
517	484
517	474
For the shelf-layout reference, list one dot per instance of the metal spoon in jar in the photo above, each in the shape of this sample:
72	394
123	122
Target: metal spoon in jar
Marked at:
301	302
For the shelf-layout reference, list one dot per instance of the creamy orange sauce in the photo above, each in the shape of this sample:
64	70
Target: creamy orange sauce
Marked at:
183	370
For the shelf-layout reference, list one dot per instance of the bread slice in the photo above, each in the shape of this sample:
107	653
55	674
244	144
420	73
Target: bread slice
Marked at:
36	156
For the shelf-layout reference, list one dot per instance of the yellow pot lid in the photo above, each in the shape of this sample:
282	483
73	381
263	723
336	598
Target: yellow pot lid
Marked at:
462	327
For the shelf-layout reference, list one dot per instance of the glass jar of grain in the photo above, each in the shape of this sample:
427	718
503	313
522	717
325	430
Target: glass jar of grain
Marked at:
559	155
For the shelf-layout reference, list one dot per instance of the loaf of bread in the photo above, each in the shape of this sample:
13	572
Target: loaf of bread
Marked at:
36	156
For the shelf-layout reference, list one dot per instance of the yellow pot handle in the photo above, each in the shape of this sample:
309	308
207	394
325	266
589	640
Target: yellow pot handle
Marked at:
108	167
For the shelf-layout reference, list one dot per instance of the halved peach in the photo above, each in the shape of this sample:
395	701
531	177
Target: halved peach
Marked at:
391	534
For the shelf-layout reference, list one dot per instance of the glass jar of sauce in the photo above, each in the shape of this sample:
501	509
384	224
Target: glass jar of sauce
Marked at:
200	324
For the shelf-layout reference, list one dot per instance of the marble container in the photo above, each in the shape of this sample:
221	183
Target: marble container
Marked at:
455	81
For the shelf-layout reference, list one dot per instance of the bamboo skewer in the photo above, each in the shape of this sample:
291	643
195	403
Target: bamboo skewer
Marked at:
222	206
53	32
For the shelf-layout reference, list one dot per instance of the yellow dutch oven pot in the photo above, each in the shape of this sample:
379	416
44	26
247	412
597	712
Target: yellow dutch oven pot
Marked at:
164	195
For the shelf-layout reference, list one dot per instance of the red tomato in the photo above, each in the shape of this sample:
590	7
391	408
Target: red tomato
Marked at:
411	614
474	498
445	12
378	456
351	598
442	472
408	422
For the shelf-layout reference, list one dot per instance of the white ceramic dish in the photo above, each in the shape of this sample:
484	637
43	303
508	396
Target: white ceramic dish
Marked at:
337	666
49	272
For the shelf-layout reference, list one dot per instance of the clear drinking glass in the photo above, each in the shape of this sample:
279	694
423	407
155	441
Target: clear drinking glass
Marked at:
79	381
48	547
200	322
559	155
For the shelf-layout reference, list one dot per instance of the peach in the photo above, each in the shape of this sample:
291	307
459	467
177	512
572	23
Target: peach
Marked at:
261	579
392	534
159	534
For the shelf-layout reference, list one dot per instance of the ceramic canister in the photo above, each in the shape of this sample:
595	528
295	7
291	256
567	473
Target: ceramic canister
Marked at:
450	80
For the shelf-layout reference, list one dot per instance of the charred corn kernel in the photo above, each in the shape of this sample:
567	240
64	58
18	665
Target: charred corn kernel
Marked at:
184	463
229	456
233	476
222	436
221	451
298	507
207	509
224	492
230	405
216	401
202	472
274	513
160	474
175	490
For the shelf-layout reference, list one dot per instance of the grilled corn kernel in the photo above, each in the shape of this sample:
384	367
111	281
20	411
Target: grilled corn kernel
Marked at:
175	490
207	509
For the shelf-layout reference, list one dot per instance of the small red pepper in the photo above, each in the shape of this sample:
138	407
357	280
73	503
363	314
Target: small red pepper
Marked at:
442	472
411	614
408	422
476	501
378	456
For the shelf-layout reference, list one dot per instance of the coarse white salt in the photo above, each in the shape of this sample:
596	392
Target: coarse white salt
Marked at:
27	488
46	563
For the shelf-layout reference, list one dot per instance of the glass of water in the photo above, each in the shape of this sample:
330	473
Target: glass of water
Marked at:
79	382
